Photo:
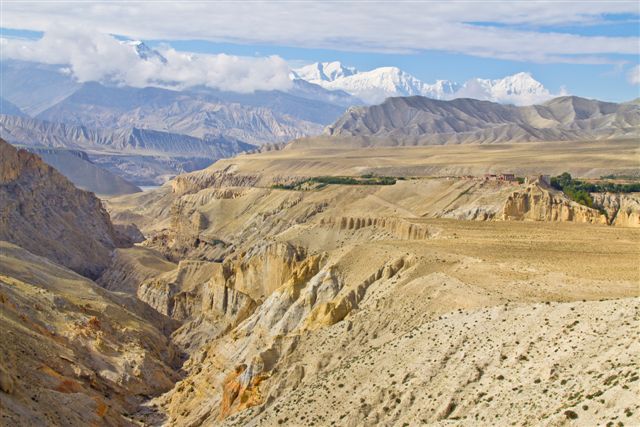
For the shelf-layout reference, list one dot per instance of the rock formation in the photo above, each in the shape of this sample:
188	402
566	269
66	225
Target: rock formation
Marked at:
623	210
537	203
364	294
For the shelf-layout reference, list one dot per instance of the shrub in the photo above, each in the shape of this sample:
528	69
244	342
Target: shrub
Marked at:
570	414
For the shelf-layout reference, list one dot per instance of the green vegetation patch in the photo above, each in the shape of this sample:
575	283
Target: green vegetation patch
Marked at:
318	182
579	191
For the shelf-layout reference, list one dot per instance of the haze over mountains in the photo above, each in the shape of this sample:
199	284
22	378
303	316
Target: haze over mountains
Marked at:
84	173
143	156
150	134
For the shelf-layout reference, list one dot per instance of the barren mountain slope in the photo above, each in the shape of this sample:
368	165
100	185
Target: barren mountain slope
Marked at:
422	121
142	156
124	140
529	364
198	115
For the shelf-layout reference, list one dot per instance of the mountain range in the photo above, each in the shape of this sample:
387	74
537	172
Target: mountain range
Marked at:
376	85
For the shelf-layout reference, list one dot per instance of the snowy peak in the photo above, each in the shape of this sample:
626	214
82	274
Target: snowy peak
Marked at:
519	89
370	86
324	72
518	84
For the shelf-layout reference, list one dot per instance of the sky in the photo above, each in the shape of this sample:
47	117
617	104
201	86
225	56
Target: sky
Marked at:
585	48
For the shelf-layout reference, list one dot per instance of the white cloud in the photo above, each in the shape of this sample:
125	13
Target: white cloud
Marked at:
633	76
508	30
91	56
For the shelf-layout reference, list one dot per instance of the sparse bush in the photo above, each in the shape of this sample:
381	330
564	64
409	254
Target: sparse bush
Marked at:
570	414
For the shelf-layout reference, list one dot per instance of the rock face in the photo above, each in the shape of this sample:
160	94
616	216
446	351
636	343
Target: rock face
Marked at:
221	294
43	212
400	229
199	180
539	203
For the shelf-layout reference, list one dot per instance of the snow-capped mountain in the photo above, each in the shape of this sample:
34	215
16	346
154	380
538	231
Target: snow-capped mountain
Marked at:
324	72
144	51
370	86
441	89
376	85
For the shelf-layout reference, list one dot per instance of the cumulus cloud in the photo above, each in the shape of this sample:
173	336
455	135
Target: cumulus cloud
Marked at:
633	76
91	56
516	30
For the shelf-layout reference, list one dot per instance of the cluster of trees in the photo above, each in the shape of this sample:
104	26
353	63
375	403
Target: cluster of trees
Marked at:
579	191
341	180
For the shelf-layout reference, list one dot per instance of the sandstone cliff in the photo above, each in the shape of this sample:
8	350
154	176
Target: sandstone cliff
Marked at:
44	213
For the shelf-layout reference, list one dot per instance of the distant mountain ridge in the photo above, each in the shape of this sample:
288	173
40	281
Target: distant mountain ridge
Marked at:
132	140
10	108
83	173
141	156
202	114
420	120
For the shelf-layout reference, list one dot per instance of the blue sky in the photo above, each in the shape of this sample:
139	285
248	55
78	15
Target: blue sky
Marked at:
588	48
